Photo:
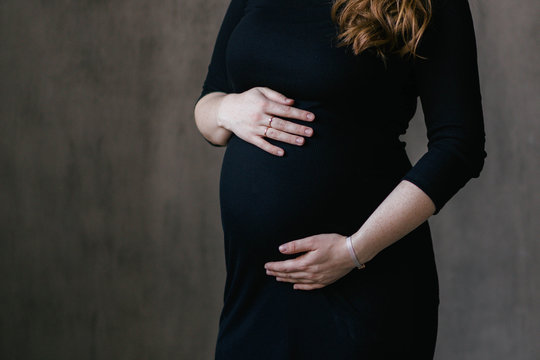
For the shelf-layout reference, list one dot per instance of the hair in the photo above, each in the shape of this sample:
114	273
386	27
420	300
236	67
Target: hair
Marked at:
384	26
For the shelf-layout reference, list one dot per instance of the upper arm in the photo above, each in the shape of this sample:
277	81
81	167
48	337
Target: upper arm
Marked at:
216	76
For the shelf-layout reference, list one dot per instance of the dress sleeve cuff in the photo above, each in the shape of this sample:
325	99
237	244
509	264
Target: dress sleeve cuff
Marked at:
440	174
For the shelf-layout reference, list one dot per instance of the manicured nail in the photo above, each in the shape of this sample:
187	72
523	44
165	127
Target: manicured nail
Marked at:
308	131
299	140
280	152
282	248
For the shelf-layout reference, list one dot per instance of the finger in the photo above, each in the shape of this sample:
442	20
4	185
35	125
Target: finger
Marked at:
299	281
288	126
266	146
274	95
299	245
307	286
287	111
298	275
291	265
277	134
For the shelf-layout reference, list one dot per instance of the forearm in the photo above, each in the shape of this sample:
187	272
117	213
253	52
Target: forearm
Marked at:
206	119
404	209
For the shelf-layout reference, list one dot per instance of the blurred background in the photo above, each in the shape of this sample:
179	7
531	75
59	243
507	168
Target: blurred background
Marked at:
110	235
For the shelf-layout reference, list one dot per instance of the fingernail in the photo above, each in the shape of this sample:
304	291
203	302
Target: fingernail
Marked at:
299	140
282	248
308	131
311	116
280	152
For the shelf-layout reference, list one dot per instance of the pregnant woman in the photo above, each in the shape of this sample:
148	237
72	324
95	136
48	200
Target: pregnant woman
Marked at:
327	246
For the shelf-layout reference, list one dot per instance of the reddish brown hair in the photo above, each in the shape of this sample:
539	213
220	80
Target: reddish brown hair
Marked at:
386	26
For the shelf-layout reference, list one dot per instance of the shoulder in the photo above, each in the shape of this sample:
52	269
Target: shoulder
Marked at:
447	9
450	29
450	17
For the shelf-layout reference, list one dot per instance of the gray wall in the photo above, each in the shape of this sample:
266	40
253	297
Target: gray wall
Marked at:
110	235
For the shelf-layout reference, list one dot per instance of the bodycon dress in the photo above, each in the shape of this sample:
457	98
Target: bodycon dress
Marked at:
338	177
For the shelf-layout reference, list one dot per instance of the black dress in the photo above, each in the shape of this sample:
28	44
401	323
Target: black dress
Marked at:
333	182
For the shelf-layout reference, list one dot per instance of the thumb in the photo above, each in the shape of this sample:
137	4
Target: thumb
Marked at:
275	96
297	246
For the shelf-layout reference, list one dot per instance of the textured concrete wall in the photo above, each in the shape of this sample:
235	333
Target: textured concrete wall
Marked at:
110	236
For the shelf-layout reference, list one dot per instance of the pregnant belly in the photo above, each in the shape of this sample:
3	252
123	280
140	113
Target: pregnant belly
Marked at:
331	183
262	190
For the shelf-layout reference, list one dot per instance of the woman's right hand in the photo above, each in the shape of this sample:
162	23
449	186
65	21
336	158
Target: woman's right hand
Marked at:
247	115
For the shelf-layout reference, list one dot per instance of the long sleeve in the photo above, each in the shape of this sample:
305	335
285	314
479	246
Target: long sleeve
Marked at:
216	77
448	85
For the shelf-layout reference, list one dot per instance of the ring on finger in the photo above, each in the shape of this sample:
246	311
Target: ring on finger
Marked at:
270	121
265	130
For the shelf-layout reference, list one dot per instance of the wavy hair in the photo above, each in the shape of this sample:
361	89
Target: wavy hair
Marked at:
385	26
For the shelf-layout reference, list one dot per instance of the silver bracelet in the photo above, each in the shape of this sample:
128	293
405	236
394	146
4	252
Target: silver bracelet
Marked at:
353	254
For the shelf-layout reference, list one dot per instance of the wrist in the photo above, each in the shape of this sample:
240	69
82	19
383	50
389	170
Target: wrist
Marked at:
352	254
220	119
360	247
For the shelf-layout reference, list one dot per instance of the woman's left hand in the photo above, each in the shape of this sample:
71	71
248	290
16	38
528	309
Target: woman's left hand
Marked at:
327	259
